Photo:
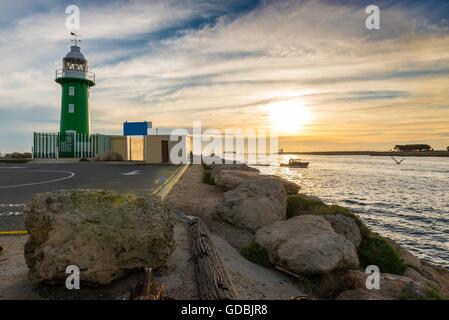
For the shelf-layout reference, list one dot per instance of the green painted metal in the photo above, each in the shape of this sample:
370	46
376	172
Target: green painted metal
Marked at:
79	120
75	80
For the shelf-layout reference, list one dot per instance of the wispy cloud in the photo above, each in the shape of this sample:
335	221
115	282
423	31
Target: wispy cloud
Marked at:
224	62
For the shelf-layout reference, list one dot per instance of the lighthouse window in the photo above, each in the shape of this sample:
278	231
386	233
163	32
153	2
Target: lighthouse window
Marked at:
71	108
71	91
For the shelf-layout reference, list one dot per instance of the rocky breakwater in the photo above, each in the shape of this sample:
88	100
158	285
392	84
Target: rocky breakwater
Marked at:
105	234
251	200
327	246
307	245
254	204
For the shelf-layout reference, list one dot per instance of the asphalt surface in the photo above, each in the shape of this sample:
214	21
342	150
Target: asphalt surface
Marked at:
19	182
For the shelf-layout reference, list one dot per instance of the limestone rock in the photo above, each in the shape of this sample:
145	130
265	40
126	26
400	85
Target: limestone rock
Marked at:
439	276
230	179
216	168
254	204
102	232
362	294
392	287
346	227
307	245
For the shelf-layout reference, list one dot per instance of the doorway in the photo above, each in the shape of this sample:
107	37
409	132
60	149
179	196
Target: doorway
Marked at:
136	148
164	144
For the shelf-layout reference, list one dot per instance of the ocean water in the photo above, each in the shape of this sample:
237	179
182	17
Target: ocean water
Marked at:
408	203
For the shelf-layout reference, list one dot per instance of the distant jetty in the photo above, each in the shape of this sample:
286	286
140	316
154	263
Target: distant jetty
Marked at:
373	153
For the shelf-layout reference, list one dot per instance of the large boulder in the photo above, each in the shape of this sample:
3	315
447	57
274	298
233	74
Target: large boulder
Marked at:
217	167
254	204
230	179
392	287
102	232
439	276
434	277
346	227
307	245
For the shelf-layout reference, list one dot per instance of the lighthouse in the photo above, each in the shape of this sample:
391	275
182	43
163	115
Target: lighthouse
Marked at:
75	80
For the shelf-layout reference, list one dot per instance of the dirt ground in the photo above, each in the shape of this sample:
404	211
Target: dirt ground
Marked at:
194	198
14	282
177	276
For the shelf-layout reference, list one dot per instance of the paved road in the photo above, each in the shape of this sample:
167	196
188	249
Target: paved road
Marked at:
18	183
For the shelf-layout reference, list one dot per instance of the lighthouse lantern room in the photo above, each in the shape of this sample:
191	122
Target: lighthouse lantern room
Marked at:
75	80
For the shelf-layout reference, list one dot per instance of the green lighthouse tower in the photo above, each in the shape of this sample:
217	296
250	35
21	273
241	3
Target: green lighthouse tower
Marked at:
75	80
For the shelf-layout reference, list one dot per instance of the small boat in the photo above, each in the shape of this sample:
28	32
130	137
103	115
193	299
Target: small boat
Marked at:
295	163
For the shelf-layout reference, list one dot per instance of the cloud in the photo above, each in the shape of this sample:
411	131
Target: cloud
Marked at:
155	61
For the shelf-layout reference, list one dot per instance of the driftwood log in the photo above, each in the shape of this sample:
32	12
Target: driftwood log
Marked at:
212	280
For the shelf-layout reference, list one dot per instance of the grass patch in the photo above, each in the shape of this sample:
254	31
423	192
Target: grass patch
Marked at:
207	166
432	294
335	209
256	254
301	204
375	250
208	178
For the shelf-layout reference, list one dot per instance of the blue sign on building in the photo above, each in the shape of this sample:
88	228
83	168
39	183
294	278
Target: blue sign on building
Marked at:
136	128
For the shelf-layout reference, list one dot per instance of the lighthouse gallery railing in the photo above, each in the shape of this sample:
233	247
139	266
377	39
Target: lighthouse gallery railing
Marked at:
62	73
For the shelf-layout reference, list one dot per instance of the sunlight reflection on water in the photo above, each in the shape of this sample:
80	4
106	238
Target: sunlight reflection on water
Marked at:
407	202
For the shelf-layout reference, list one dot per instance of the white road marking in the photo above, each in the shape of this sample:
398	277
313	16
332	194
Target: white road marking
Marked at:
131	173
70	175
10	213
11	205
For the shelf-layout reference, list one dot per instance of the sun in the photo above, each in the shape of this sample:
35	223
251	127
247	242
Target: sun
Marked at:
289	117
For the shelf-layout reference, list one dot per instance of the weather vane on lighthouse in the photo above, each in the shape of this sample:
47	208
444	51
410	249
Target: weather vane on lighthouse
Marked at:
76	38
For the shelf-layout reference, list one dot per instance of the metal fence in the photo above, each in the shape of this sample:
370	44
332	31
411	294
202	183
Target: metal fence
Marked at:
69	145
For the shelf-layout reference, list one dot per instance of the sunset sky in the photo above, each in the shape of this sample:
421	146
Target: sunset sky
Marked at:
309	69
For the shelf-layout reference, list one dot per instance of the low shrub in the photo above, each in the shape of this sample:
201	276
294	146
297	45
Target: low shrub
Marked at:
208	178
335	209
256	254
375	250
432	294
207	166
301	204
109	156
18	155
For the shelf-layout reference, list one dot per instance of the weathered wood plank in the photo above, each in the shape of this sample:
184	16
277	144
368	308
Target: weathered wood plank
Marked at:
212	280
